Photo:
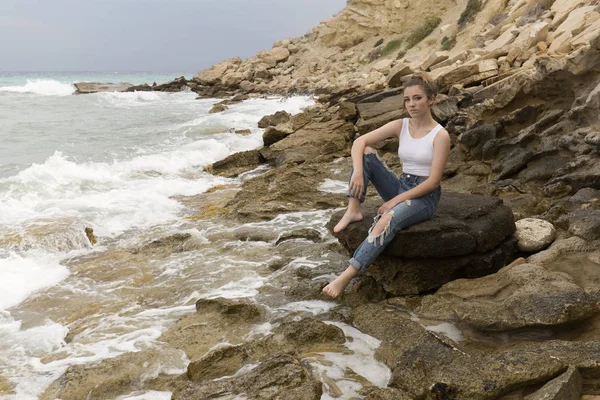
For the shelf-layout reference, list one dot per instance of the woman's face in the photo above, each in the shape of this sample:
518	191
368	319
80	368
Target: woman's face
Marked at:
416	101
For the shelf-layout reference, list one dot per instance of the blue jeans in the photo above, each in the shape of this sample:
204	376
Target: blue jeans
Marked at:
405	214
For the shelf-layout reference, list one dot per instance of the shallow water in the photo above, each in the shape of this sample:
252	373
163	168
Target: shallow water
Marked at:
130	166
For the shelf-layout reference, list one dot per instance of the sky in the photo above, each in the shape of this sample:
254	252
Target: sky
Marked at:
147	35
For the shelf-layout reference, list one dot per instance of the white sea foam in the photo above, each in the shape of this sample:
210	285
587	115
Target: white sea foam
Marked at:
44	87
146	395
331	186
128	98
24	274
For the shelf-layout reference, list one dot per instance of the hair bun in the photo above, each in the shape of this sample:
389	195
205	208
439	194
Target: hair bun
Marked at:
423	79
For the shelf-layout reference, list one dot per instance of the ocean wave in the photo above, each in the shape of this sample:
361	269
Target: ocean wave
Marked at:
44	87
129	98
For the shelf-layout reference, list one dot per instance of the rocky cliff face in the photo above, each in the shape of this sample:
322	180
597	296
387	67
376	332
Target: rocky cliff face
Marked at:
363	48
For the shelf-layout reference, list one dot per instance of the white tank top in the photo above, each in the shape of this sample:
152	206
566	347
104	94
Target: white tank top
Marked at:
416	154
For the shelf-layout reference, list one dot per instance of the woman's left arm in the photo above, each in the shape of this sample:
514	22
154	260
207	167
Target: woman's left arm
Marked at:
441	150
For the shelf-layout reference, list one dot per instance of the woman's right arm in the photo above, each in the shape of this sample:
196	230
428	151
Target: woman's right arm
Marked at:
389	130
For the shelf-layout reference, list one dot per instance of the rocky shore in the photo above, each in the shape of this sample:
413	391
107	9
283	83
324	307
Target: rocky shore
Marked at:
496	297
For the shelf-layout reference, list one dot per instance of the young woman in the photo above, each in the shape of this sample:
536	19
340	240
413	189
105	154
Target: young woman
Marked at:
424	147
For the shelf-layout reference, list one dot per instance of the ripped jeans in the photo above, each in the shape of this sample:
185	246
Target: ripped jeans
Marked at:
405	214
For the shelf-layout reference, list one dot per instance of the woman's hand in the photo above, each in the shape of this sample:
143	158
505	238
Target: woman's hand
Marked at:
357	184
388	205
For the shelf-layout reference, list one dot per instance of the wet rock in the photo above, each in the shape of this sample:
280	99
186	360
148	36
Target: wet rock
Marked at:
224	361
561	247
240	310
287	189
169	244
217	108
306	233
566	387
96	87
282	377
534	234
236	164
116	376
243	132
89	232
517	296
280	117
387	394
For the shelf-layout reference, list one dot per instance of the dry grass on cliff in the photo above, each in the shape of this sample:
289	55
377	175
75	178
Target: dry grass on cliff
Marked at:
422	32
473	7
392	46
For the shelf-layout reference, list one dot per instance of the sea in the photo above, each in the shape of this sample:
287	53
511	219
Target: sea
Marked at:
121	163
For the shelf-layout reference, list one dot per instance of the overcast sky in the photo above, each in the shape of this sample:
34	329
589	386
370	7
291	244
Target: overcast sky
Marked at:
147	35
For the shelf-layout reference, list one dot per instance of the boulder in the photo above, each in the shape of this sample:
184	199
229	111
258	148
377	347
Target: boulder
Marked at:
237	163
394	78
469	236
519	295
277	378
312	140
463	224
534	234
217	108
279	117
214	74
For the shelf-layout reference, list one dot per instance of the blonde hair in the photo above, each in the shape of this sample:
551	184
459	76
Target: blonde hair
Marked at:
423	80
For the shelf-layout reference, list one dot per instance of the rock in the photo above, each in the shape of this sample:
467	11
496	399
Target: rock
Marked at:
277	378
274	134
279	117
534	234
394	78
224	361
89	232
115	377
435	58
96	87
312	140
530	296
469	236
383	66
243	132
347	111
387	394
278	54
213	75
585	224
239	310
237	163
287	189
414	356
370	110
217	108
566	387
462	224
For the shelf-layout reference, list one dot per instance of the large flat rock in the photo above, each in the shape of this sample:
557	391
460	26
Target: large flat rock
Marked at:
463	224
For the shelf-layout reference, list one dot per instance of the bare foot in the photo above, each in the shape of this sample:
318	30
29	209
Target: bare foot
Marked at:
335	288
347	219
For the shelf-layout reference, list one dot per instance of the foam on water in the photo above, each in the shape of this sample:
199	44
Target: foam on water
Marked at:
44	87
24	274
45	206
360	360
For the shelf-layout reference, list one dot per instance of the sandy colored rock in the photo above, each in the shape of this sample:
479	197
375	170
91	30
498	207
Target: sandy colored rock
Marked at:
534	234
566	387
217	108
96	87
531	296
